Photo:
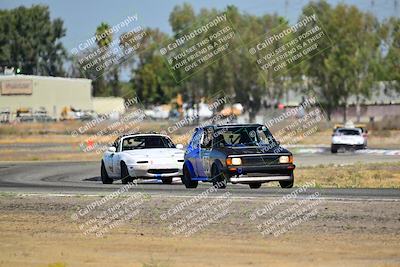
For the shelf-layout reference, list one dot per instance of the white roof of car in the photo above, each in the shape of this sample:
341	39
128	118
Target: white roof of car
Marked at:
145	134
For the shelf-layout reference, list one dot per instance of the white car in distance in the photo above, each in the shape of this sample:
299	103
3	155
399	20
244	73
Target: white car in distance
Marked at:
346	138
142	156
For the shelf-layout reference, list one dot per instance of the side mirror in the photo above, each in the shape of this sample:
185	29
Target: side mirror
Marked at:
111	149
179	146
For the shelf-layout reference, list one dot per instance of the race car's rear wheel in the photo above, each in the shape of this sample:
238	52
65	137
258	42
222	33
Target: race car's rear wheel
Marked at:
167	180
255	185
334	149
187	179
104	175
218	177
125	177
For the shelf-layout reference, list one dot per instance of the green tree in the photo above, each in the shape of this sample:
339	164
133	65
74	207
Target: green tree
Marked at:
31	41
103	35
181	17
151	78
391	62
348	68
103	39
236	74
250	84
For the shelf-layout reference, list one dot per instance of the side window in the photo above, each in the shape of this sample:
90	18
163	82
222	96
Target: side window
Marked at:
117	146
116	143
195	143
207	138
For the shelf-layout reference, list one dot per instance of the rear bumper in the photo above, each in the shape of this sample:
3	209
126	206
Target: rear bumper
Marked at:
362	146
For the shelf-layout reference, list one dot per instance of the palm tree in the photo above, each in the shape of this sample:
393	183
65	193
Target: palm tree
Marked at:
103	35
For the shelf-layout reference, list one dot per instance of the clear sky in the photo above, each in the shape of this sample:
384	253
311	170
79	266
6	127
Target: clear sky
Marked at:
82	17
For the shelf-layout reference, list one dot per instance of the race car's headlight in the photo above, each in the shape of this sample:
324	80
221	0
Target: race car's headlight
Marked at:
233	161
286	159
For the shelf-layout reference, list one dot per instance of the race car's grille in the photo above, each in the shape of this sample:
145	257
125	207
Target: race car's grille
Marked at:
161	171
260	160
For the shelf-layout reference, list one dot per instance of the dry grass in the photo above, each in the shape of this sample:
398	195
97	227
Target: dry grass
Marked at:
38	139
385	139
69	132
382	175
27	156
60	132
67	127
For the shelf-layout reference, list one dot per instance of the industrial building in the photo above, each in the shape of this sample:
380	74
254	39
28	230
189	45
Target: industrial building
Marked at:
52	94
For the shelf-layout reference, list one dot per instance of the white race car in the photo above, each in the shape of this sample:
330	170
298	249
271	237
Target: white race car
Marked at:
145	156
352	138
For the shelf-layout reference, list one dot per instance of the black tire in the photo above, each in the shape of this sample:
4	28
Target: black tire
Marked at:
287	184
104	175
125	177
187	179
167	180
255	185
219	179
334	149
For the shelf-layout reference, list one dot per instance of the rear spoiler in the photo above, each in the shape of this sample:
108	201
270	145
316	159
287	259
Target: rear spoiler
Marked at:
363	127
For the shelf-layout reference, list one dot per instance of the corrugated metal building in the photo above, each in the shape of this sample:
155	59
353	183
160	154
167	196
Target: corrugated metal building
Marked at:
50	93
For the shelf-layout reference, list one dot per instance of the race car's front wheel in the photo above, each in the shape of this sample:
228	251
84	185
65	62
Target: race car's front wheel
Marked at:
218	177
104	175
287	184
187	179
125	177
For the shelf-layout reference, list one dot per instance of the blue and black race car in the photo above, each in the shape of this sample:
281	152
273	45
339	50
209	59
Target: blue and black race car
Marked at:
236	153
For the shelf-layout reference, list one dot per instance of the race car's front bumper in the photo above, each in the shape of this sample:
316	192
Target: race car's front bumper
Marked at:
160	169
262	179
251	174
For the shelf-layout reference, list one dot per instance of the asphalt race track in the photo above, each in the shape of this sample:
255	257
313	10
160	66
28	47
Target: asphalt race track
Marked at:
83	178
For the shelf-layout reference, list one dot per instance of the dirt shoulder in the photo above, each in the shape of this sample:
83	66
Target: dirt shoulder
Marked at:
42	230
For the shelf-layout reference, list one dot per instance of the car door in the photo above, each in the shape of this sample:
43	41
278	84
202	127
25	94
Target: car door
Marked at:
108	162
192	153
116	159
204	164
108	159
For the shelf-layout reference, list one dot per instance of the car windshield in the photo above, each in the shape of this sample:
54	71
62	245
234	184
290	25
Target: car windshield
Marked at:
243	136
145	142
348	132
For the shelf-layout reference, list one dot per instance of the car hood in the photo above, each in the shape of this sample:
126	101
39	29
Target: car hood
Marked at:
155	152
253	150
